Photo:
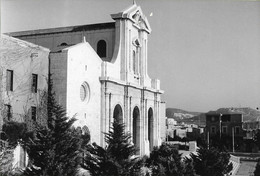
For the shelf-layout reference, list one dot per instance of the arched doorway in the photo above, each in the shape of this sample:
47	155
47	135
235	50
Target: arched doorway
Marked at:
150	128
136	128
118	115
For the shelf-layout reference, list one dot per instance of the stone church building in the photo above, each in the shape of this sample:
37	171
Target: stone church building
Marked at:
99	73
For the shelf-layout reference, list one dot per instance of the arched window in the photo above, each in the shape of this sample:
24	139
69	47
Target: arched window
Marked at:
134	62
102	48
63	44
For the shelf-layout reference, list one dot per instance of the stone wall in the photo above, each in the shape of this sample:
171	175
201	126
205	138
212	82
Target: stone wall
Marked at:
24	59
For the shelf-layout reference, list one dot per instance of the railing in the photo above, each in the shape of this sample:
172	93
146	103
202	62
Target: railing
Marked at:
236	164
235	158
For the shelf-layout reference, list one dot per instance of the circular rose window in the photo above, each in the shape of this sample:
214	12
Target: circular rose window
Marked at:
84	92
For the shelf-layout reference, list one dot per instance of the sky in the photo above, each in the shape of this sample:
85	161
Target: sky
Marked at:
205	53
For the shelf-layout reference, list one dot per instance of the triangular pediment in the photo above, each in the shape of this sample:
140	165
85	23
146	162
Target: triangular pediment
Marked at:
135	14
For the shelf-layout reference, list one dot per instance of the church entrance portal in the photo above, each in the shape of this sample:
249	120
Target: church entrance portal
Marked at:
150	128
118	115
136	128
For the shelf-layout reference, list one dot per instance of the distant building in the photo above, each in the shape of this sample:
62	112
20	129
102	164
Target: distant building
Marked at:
23	82
106	77
194	133
217	123
251	128
181	132
191	131
170	123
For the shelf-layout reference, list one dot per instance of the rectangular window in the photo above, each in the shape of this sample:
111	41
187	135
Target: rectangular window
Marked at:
8	111
213	129
224	129
226	118
237	130
9	80
34	83
33	113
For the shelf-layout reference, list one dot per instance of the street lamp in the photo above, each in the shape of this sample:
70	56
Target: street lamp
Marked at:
233	140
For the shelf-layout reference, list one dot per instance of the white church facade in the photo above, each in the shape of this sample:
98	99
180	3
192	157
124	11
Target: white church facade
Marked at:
100	73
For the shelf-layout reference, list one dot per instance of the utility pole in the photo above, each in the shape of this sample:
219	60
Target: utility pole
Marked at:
208	139
1	98
233	140
220	120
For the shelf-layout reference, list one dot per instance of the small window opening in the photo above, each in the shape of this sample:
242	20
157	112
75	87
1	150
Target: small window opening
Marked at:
8	111
9	80
213	130
33	113
102	48
34	83
224	129
237	130
64	44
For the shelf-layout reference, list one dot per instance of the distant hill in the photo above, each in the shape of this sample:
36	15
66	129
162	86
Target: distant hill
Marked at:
198	118
179	114
249	114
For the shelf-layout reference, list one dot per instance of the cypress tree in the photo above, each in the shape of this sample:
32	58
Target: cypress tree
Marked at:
117	159
54	149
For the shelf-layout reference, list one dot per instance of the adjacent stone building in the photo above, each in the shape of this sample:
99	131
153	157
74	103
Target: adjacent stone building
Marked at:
100	74
224	124
251	128
23	82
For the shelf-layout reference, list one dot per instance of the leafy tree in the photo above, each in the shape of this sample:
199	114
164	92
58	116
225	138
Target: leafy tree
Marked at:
189	169
6	159
256	138
13	132
211	162
257	168
201	141
166	161
117	159
54	149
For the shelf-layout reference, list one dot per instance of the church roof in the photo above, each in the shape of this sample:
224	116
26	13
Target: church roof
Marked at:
12	41
88	27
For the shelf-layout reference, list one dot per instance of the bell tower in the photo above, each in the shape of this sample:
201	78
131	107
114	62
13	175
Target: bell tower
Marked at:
132	29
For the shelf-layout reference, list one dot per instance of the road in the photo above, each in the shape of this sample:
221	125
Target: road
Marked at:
246	168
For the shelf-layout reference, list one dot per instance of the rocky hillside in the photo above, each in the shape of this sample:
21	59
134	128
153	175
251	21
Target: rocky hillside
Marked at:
249	114
179	115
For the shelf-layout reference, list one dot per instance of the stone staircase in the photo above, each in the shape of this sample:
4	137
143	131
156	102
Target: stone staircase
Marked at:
236	164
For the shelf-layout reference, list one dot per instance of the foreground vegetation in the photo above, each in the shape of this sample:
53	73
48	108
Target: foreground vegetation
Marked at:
58	149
